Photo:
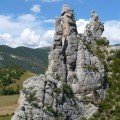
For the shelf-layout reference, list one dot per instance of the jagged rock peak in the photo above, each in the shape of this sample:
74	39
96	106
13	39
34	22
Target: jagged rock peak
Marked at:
94	29
74	73
93	15
65	9
68	21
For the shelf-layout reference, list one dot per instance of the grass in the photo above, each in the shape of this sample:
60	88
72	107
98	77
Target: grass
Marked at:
22	79
6	118
8	104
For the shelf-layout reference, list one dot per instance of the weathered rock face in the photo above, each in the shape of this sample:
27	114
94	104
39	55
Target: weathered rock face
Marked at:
74	81
94	29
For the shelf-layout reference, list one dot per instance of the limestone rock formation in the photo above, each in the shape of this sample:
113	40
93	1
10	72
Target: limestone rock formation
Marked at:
74	81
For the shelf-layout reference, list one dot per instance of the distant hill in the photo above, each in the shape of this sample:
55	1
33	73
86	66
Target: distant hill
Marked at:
34	60
114	47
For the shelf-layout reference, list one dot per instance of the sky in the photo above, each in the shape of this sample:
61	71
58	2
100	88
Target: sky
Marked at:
30	23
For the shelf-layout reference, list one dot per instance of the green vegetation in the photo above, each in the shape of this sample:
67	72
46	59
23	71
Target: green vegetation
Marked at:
57	118
33	60
11	79
6	117
67	90
35	104
89	47
75	76
49	109
8	103
109	109
86	99
31	97
57	77
9	75
102	42
83	118
100	53
19	83
57	90
91	67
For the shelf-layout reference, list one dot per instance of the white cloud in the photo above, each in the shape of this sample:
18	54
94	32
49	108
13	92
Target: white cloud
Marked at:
49	21
47	38
28	38
25	30
7	39
16	25
112	31
36	8
28	30
26	18
81	23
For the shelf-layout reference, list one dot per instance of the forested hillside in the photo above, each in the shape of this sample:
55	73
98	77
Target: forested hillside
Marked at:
34	60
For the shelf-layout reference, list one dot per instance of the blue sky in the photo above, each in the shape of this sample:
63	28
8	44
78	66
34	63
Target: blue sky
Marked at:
31	22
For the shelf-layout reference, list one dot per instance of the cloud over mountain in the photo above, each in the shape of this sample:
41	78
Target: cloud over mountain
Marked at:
31	31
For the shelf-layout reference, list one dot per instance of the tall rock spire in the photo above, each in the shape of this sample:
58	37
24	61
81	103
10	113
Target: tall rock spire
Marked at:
56	66
68	21
69	40
74	74
64	45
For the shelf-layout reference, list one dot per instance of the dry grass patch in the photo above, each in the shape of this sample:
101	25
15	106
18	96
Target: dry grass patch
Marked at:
8	104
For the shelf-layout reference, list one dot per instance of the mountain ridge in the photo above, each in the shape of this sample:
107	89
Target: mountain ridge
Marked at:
34	60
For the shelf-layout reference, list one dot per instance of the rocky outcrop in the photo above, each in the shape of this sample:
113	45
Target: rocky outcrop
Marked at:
75	79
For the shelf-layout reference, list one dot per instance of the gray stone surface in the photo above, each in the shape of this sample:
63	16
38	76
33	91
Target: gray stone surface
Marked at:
74	73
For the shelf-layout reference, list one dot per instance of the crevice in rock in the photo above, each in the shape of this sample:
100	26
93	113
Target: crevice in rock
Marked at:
44	93
65	45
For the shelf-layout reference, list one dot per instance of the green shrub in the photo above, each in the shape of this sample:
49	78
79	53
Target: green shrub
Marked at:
49	109
57	118
86	99
83	118
102	42
31	97
57	77
34	104
110	58
117	54
67	90
57	90
100	53
75	76
9	75
89	47
91	67
112	51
